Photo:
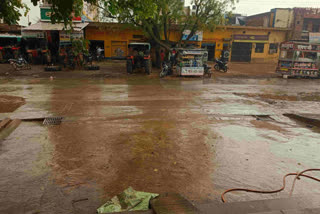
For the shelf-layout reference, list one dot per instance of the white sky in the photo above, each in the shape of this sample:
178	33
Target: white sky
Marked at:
34	14
245	7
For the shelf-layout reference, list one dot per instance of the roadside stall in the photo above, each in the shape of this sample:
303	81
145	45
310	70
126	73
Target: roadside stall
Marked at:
34	46
191	62
9	46
298	59
45	40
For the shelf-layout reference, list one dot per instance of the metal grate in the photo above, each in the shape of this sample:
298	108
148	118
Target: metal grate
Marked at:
263	117
52	121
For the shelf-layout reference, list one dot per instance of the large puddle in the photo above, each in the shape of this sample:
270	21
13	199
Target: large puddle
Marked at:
196	137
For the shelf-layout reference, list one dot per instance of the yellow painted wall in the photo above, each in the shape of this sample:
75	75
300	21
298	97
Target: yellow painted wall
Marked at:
222	35
112	35
219	37
274	37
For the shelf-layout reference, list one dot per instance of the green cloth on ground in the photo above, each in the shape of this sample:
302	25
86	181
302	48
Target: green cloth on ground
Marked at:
128	200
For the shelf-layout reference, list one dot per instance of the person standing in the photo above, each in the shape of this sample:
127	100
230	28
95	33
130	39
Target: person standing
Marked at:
162	55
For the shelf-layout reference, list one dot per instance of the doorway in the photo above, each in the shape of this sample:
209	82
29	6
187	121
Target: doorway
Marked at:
241	52
211	47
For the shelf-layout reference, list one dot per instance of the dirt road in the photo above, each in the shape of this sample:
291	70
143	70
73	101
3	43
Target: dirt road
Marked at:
196	137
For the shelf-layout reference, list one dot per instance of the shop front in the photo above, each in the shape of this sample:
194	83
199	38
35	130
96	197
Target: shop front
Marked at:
243	45
9	46
43	38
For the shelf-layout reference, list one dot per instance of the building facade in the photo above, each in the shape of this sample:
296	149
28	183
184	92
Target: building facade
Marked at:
304	23
246	44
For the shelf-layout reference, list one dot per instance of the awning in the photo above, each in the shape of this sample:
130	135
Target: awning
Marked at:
6	35
47	26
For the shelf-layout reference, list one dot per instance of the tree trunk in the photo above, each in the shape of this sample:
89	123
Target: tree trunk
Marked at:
158	57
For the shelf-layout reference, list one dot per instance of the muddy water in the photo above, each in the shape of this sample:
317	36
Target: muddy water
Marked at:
195	137
147	139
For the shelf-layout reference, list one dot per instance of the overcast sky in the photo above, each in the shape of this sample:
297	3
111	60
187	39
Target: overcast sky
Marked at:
245	7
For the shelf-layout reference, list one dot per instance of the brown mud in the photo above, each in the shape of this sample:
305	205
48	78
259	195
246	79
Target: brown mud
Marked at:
10	103
158	150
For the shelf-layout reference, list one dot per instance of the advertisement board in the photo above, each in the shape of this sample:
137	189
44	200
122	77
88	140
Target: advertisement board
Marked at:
192	71
66	37
314	38
33	34
250	38
198	36
45	15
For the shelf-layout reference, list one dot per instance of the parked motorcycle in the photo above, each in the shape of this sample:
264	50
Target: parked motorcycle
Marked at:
166	69
71	64
99	54
19	64
88	62
221	66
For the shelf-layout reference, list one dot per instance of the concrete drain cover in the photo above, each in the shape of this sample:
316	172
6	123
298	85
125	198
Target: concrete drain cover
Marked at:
52	121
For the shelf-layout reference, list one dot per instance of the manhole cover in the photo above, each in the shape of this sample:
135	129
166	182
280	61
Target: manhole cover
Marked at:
52	121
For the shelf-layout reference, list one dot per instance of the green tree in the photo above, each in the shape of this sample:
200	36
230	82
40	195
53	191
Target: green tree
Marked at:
10	10
158	18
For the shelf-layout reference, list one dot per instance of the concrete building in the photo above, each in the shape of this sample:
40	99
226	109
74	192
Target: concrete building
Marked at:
306	21
303	22
278	18
247	44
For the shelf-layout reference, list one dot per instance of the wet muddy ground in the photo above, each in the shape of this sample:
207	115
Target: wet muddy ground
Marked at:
197	137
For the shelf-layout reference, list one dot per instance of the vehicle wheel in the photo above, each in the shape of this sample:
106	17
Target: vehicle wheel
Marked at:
225	69
147	66
129	67
216	67
162	73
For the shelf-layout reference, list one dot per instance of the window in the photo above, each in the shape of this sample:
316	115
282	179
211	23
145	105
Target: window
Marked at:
259	48
273	48
315	27
305	26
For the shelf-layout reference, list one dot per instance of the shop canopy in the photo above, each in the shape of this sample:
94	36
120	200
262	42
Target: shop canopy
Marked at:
11	36
6	35
45	26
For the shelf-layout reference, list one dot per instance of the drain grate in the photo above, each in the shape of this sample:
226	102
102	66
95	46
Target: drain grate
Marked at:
52	121
263	117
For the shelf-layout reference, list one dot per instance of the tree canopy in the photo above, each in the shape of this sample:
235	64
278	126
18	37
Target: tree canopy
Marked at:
10	10
157	18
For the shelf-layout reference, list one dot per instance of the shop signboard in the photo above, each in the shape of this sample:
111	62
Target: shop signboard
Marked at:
66	37
198	36
46	12
314	38
287	46
33	34
196	71
251	38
